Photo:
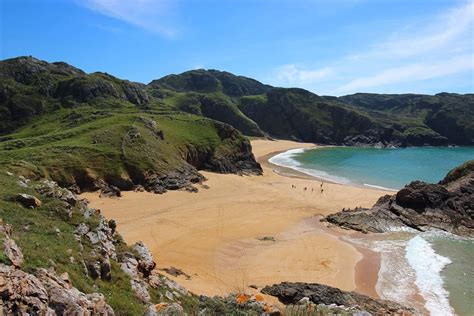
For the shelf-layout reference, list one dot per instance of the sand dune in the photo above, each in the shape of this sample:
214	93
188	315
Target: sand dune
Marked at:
213	235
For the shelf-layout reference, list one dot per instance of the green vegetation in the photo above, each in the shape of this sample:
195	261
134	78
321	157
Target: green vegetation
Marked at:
46	238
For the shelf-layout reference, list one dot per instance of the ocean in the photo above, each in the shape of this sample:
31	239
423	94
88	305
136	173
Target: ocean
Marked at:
390	168
436	265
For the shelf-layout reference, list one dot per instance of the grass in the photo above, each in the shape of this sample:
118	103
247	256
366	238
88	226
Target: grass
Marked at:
34	230
72	143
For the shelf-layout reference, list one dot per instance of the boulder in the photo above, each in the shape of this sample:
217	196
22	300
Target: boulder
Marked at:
53	190
140	289
28	200
65	299
145	262
13	252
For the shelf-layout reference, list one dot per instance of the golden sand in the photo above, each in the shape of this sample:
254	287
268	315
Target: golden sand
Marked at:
214	235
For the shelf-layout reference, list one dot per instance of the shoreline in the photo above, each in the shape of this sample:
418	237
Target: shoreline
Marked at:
293	172
213	235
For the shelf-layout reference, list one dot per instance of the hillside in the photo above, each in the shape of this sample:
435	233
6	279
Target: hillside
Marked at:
289	113
91	131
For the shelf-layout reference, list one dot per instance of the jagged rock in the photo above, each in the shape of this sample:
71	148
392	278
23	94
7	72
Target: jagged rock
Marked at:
21	293
67	300
110	191
10	248
28	200
175	286
293	293
129	264
145	262
140	289
169	295
184	177
13	252
82	229
420	206
155	280
51	189
93	237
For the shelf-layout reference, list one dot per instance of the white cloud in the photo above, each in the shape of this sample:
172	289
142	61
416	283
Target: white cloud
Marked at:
443	30
150	15
409	73
292	74
431	47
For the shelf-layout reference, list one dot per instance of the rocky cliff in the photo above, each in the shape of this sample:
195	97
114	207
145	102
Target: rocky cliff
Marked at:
447	206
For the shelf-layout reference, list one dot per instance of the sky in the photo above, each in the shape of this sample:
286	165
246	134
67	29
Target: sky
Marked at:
330	47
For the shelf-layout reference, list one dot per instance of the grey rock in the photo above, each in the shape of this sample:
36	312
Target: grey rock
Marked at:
145	262
13	252
419	206
140	289
293	293
82	229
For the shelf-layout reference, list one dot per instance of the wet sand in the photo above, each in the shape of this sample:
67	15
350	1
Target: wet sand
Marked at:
217	236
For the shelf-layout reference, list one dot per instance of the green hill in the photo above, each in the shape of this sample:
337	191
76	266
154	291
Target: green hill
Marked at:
360	119
90	130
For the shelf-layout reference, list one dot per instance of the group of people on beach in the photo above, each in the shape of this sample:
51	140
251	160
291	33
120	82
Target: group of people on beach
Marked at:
312	189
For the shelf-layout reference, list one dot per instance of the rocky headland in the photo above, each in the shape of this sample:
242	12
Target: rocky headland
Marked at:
446	206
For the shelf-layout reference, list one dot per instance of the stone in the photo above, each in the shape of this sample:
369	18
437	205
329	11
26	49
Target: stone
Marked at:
140	289
28	200
293	293
169	295
129	264
13	252
65	299
93	237
145	262
52	189
82	229
22	293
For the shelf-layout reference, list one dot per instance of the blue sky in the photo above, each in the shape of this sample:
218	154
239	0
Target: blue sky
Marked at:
329	47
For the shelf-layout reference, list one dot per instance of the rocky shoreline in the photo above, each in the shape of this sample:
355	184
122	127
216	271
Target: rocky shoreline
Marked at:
420	206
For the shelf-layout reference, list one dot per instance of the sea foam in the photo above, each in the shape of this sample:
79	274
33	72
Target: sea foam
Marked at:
286	159
428	266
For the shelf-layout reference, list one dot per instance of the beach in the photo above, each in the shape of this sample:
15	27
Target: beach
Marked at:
239	233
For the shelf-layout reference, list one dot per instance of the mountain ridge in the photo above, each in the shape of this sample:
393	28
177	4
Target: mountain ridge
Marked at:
257	109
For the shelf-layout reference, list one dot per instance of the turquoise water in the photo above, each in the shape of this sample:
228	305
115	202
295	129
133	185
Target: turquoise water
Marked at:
385	167
439	265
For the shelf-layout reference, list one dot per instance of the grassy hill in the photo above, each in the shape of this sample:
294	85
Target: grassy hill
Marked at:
85	129
361	119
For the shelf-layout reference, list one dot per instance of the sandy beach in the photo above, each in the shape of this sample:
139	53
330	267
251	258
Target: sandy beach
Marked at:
217	236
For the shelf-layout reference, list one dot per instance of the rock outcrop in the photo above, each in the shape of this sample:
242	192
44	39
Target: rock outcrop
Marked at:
46	293
447	206
299	293
28	200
